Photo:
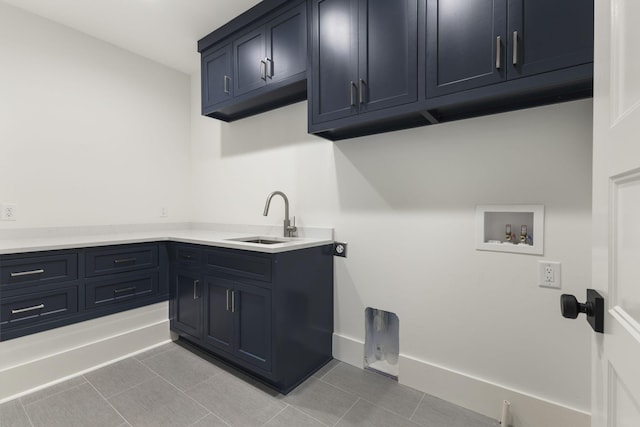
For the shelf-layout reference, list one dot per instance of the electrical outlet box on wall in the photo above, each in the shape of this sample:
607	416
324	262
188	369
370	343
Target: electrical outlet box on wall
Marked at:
510	228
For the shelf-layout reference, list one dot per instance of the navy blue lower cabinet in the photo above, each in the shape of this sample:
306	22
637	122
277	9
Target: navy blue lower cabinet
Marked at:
270	315
186	302
238	320
219	314
45	290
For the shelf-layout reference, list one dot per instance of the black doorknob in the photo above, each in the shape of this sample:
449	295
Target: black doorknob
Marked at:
593	308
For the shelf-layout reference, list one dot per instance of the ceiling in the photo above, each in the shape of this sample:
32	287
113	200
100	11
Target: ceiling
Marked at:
165	31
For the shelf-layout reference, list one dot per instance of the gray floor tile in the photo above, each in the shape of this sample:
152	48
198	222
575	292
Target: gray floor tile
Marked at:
79	406
181	367
238	403
156	350
375	388
54	389
322	401
326	368
155	403
291	417
12	415
210	421
365	414
434	412
119	376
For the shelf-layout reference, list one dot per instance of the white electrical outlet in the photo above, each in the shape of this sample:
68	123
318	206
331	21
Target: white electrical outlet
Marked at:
8	212
164	212
549	274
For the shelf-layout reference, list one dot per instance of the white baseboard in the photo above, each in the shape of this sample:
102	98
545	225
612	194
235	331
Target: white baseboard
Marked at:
469	392
37	361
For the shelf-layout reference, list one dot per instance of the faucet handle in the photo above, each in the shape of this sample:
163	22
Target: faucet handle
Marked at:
292	228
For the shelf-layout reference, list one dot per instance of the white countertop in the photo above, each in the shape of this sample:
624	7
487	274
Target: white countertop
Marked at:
14	241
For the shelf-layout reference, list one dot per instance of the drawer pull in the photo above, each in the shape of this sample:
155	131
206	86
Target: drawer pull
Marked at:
186	256
22	310
27	273
125	260
117	291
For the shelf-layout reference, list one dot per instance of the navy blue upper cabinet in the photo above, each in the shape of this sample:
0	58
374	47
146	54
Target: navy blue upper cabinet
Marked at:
482	42
216	77
334	59
547	35
364	57
256	62
466	44
271	53
388	60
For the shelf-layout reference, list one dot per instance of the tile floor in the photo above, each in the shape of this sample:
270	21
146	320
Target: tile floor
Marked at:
171	386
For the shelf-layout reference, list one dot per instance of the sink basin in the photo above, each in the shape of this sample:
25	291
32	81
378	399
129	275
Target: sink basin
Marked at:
260	240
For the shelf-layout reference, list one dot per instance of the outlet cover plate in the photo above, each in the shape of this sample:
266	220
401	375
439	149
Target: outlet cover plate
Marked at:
340	249
549	274
8	212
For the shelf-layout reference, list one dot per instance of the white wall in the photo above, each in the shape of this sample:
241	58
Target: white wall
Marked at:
90	134
405	203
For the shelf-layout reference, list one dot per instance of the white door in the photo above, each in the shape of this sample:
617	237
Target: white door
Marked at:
616	213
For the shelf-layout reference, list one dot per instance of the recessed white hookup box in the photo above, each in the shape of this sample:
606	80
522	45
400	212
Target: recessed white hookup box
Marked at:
510	228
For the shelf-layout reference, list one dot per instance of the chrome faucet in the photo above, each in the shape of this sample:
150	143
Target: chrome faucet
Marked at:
289	230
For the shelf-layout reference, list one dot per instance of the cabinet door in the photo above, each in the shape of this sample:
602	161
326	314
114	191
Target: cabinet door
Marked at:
187	303
547	35
388	52
252	306
219	313
466	44
250	67
287	45
334	58
216	77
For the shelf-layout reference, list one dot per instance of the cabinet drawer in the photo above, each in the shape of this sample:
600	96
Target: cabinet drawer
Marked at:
186	256
42	306
240	264
38	270
120	289
114	260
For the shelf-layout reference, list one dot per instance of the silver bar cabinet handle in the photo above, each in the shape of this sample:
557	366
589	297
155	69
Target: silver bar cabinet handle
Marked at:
22	310
27	273
233	301
361	91
227	81
195	289
227	299
498	52
515	48
269	67
263	69
122	261
116	291
352	96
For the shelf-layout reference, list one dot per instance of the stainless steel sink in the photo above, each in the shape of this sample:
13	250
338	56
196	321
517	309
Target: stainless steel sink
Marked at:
260	240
